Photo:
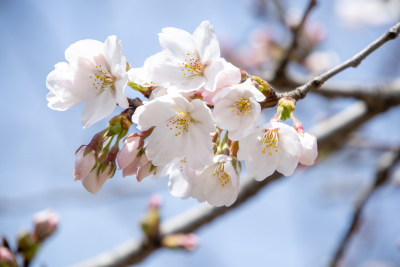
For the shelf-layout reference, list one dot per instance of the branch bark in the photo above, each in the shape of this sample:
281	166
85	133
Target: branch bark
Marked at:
281	66
385	164
314	84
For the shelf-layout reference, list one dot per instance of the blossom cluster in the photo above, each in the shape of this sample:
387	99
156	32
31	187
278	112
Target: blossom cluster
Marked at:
200	121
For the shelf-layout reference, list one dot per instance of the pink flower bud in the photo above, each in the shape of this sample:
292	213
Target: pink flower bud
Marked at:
145	168
46	222
94	181
84	162
155	201
7	258
127	157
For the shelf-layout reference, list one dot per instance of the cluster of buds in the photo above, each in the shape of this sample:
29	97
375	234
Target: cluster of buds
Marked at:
151	228
95	162
200	123
28	243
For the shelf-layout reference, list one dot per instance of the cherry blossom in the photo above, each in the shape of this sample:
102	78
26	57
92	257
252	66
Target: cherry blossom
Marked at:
181	128
273	146
187	61
236	109
218	183
95	74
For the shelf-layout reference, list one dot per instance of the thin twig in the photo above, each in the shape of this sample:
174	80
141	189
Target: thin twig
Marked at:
385	164
317	82
281	66
134	251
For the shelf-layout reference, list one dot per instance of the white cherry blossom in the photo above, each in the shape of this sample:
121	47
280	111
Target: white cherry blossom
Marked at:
273	146
236	109
181	129
187	61
95	74
218	183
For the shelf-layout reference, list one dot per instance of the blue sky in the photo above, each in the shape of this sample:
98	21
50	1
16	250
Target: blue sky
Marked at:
282	226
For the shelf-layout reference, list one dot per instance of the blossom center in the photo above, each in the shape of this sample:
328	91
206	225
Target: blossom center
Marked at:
102	79
241	106
192	65
180	123
220	174
270	141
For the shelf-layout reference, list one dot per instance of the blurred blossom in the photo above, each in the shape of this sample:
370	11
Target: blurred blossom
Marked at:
357	13
320	61
46	222
6	257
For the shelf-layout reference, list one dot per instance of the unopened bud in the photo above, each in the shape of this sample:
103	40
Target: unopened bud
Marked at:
181	241
46	223
262	85
286	105
7	259
151	223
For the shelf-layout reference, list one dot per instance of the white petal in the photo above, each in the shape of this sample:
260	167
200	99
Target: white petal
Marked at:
163	146
220	74
310	149
178	183
114	55
84	48
154	112
120	97
202	115
207	42
177	42
198	147
98	108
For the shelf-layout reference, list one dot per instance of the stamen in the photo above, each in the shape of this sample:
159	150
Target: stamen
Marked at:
102	79
270	141
192	66
242	106
180	123
220	174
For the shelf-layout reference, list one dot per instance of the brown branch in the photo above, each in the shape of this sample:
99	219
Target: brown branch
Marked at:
330	133
385	164
281	66
314	84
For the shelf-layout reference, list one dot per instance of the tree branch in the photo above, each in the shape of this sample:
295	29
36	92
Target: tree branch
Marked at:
281	66
314	84
385	164
330	133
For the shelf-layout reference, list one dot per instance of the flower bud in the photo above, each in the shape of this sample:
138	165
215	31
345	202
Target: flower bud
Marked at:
84	162
181	241
7	259
151	222
46	223
128	157
286	105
